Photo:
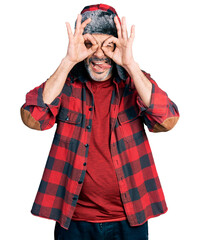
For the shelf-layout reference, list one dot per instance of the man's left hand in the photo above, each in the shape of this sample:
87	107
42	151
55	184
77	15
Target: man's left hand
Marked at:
122	54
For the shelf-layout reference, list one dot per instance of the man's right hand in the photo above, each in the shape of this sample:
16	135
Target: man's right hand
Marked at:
80	47
77	50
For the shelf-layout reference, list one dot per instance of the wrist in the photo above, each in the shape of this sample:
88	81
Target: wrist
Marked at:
131	67
67	64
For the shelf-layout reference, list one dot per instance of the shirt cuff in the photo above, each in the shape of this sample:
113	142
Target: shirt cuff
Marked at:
35	98
158	102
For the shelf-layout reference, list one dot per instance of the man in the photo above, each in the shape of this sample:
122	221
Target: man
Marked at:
100	180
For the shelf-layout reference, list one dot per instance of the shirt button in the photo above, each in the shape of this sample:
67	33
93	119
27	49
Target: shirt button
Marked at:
86	145
88	127
79	182
90	109
84	164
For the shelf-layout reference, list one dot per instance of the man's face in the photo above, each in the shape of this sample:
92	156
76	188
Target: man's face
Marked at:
98	65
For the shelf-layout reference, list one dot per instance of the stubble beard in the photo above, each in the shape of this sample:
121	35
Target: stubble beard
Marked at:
92	75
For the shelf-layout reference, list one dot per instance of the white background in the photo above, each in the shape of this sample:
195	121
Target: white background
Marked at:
34	40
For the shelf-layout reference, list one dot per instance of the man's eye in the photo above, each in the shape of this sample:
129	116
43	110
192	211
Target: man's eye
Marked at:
88	44
110	46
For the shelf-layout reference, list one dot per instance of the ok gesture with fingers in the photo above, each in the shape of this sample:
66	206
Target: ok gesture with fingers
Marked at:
122	55
77	51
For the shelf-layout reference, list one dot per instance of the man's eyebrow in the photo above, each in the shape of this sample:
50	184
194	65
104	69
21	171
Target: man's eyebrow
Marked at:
109	43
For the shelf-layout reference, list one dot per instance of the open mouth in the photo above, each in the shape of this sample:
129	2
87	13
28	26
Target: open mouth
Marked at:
100	66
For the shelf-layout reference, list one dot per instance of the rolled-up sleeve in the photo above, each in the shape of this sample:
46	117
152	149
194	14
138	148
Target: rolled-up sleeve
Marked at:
162	114
35	113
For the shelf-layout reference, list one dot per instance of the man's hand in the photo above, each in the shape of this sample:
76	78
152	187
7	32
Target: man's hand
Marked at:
77	51
122	55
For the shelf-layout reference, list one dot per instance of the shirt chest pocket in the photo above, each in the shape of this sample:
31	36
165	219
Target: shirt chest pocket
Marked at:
130	126
69	128
69	116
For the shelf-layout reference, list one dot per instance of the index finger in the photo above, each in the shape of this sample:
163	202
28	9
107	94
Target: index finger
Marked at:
89	37
84	24
80	26
111	40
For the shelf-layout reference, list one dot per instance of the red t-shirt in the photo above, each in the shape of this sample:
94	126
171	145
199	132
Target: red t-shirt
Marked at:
99	199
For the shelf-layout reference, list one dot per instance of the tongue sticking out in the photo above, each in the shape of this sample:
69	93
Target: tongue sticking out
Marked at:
100	67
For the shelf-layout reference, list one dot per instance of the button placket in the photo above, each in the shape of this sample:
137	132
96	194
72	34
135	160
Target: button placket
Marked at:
101	226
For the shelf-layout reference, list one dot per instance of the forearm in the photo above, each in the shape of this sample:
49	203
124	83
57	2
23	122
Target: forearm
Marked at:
141	82
55	83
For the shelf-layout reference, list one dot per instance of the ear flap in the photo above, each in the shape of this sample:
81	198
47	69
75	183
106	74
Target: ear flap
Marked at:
121	72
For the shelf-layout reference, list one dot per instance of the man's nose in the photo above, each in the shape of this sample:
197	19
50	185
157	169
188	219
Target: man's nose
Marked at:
99	52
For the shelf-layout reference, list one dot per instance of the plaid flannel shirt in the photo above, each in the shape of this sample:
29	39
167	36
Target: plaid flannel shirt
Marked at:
140	188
